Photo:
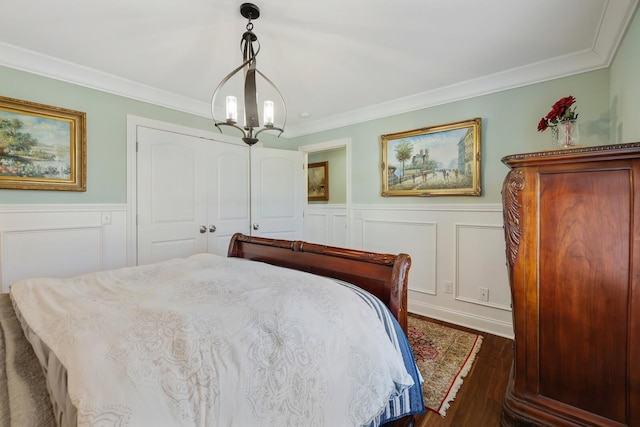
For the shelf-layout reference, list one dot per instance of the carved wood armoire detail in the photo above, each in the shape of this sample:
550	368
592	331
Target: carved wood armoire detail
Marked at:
572	230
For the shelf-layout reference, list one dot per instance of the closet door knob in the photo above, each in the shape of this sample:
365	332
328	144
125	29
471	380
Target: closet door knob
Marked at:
256	226
212	228
203	228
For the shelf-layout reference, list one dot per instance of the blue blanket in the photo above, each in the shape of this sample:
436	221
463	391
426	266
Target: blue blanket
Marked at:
410	401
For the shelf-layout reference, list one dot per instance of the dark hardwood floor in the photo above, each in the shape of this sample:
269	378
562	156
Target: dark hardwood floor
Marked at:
479	400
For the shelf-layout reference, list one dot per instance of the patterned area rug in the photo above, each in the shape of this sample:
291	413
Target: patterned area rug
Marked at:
444	356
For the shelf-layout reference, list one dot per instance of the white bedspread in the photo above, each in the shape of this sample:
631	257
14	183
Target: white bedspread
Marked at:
212	341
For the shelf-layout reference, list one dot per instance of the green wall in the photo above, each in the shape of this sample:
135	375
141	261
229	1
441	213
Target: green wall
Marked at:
625	87
509	125
106	134
608	104
509	121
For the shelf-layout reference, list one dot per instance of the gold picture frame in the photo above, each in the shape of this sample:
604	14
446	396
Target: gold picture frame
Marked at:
318	181
42	147
442	160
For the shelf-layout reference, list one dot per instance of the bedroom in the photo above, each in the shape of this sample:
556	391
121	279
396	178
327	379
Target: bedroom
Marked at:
607	102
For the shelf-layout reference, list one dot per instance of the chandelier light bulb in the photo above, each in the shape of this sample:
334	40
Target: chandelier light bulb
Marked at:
268	113
232	109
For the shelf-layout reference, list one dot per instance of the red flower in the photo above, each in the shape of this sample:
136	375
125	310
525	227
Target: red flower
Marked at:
542	125
560	111
565	102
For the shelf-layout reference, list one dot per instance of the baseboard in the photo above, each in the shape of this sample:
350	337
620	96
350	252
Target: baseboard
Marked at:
479	323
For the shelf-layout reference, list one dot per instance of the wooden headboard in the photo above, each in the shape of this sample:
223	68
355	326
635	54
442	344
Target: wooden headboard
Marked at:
383	275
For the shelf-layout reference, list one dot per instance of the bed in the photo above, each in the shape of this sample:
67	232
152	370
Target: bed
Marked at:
277	333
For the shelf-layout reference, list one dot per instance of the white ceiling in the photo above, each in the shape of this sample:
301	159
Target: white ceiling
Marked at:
340	61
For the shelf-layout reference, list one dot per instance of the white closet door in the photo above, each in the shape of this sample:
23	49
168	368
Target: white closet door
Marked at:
277	193
193	194
229	191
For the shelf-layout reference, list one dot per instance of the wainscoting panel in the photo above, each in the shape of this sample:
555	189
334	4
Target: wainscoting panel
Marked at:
416	238
326	224
47	252
475	266
339	229
60	240
455	249
316	227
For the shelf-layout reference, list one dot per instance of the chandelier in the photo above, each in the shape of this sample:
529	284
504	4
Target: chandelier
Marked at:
250	47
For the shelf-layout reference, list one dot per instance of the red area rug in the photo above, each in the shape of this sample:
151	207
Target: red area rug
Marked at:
444	356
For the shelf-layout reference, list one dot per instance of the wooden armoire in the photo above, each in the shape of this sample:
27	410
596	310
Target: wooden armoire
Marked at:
572	229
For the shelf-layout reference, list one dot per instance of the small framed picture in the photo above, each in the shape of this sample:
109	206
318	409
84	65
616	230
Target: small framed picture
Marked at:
318	181
439	160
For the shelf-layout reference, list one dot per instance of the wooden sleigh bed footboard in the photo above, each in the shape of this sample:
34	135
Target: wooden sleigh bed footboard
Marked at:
383	275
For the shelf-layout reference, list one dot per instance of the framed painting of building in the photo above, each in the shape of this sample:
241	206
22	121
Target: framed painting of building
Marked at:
439	160
42	147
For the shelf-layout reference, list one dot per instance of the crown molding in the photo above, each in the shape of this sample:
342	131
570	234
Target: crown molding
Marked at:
48	66
616	16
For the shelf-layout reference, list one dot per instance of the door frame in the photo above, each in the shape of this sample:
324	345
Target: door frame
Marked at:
133	122
327	146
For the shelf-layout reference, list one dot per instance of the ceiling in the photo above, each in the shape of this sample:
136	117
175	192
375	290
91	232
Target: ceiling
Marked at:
337	61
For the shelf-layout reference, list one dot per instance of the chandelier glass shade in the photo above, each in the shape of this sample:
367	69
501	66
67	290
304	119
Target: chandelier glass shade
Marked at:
252	83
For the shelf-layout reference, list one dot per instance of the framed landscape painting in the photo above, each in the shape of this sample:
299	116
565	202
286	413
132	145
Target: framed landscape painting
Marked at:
318	181
440	160
41	147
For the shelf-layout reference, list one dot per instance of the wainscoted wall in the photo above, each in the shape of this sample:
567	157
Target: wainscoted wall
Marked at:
326	224
459	245
462	245
60	240
455	251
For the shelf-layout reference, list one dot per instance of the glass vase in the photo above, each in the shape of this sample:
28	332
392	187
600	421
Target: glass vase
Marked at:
565	134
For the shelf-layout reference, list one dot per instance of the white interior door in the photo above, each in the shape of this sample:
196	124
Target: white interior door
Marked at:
192	194
229	189
278	188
